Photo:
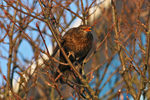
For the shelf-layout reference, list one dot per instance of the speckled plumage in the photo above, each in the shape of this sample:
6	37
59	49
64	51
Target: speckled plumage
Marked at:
77	41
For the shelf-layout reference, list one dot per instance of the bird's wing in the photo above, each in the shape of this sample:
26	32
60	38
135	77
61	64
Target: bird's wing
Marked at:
66	35
55	51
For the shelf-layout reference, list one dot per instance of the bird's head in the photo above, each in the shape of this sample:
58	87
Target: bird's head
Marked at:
84	28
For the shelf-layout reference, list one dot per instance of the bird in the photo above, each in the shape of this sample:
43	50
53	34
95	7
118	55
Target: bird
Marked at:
76	43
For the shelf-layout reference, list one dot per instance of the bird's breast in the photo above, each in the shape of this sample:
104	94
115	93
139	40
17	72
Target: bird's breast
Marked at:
80	46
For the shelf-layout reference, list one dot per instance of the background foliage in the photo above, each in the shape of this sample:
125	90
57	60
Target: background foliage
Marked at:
117	67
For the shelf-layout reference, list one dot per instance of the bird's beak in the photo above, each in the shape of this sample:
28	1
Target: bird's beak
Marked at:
87	29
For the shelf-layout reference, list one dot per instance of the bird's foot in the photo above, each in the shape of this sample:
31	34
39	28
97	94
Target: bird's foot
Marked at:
71	53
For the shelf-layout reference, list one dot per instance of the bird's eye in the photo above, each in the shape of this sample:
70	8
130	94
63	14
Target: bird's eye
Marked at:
82	28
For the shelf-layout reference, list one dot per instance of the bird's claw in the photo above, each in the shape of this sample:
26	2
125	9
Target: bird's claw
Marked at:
71	53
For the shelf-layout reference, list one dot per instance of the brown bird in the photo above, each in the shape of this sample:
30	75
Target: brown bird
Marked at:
76	43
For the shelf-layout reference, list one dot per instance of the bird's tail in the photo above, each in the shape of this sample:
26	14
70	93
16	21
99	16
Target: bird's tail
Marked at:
62	77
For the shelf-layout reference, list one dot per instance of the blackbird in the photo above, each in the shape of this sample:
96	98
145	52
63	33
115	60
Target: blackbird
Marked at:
76	42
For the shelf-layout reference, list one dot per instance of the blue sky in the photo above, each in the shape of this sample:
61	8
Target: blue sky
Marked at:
26	50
